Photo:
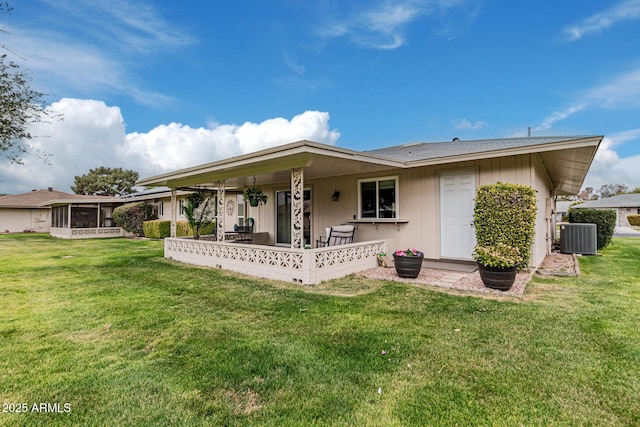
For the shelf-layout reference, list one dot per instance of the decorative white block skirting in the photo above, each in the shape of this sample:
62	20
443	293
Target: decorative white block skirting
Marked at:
305	266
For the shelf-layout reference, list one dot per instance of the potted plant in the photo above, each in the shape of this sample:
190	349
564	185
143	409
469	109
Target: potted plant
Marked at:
504	218
498	265
255	196
408	262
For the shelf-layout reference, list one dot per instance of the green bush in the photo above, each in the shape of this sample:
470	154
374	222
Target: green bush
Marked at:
505	213
634	219
132	215
604	219
159	229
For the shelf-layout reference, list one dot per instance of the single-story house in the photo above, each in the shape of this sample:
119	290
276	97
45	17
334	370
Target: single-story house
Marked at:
562	209
623	204
65	215
414	195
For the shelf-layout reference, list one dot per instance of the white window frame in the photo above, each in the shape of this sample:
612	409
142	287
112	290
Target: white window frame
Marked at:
240	202
377	208
160	208
181	206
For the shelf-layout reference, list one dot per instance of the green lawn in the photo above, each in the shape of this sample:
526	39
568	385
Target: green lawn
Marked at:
116	335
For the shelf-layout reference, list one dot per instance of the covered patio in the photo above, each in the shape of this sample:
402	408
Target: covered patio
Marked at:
287	217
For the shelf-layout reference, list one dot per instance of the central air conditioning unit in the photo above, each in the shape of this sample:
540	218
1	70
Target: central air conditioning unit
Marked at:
578	239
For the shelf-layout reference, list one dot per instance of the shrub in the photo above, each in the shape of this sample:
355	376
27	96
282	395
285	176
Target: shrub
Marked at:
604	219
157	229
498	256
132	215
200	211
634	219
506	213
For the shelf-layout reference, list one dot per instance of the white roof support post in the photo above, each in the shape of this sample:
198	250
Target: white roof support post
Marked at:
297	207
174	212
220	216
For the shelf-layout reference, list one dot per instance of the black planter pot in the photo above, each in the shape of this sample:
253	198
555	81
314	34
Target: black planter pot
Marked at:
498	278
408	266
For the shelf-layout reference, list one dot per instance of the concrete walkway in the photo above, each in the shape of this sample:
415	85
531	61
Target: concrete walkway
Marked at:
625	232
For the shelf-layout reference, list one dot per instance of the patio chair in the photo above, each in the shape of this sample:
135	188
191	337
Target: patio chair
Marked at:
245	234
337	235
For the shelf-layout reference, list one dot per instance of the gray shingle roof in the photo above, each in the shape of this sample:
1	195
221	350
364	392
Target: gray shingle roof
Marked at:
38	198
621	201
434	150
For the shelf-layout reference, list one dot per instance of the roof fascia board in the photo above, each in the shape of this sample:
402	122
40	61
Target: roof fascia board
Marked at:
539	148
299	154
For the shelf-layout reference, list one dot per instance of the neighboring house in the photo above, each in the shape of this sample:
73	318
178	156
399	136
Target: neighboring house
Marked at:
415	195
562	209
61	214
623	204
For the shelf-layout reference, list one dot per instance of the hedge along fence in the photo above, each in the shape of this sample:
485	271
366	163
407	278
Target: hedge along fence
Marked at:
132	215
604	219
634	219
159	229
506	213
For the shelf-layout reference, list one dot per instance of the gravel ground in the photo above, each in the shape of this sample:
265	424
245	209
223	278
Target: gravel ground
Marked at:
555	264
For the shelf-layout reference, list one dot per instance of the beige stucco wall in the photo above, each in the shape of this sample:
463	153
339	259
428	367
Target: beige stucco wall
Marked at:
19	220
419	202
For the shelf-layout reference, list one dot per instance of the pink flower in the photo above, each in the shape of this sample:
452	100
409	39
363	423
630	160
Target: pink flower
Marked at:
384	352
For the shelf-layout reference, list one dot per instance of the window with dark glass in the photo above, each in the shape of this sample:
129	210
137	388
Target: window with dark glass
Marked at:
378	198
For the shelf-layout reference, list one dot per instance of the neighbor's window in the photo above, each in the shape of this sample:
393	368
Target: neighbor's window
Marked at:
161	208
378	198
181	207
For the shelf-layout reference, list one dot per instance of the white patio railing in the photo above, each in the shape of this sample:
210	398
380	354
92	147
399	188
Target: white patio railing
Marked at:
86	233
305	266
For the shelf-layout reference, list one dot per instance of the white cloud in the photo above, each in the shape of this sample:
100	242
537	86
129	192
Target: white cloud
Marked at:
93	134
620	92
624	11
110	39
467	125
383	24
609	168
556	116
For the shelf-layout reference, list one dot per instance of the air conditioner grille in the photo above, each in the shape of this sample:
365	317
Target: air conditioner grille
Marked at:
578	239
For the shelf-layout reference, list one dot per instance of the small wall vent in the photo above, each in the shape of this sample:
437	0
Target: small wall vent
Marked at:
578	239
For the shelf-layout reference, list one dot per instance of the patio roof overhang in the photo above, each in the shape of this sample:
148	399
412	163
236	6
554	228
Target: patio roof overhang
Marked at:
274	165
566	162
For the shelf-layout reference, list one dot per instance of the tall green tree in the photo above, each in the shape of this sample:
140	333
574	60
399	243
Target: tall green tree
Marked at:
610	190
19	105
104	181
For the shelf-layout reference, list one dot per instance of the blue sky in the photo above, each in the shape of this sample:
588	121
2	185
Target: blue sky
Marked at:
158	85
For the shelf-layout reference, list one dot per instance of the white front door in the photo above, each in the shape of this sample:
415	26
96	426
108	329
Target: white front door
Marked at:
457	235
